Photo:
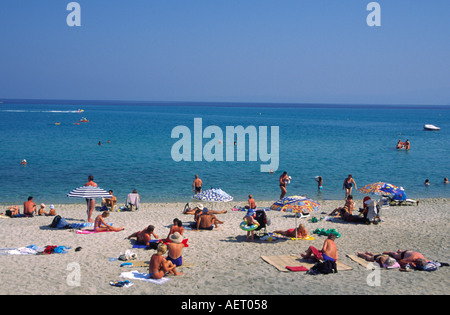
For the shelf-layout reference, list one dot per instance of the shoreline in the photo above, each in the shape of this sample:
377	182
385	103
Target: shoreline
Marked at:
222	255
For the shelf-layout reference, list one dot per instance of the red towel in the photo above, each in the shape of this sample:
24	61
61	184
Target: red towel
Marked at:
297	268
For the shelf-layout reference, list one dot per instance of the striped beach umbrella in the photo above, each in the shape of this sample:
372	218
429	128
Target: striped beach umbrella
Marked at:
213	195
89	192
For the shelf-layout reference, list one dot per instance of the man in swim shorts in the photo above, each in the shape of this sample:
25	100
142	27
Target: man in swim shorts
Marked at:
90	202
197	185
207	221
328	252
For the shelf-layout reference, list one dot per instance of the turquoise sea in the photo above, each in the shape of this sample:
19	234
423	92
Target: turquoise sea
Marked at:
327	140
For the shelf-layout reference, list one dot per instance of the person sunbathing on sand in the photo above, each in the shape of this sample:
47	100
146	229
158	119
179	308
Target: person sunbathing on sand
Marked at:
346	211
408	257
159	266
100	225
143	237
199	208
384	260
328	252
299	232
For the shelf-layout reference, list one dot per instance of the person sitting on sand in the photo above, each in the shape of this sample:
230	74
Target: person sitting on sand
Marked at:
328	252
100	225
346	211
199	208
207	221
41	210
175	247
143	237
159	266
408	257
251	203
384	260
110	201
299	232
176	227
52	211
29	207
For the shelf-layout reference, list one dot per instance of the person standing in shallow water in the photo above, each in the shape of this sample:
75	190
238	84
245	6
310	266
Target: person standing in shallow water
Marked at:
348	185
197	185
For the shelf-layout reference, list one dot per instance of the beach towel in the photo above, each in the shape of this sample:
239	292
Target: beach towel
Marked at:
146	264
276	235
92	231
133	199
136	275
281	261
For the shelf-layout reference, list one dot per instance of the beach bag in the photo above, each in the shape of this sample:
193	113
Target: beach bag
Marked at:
324	267
55	222
62	224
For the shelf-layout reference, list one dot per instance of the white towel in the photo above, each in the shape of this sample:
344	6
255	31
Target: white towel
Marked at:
133	199
136	275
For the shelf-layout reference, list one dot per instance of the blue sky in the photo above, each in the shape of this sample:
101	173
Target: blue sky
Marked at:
301	51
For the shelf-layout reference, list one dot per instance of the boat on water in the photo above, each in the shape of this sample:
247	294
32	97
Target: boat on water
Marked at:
83	120
80	110
431	127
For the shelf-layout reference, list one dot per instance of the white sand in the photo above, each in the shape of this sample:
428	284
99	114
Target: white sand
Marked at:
223	262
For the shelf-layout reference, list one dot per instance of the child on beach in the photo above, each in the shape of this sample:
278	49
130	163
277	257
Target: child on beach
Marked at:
250	219
41	210
52	211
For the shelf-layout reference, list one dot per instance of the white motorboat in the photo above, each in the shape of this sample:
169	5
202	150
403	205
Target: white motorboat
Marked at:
431	127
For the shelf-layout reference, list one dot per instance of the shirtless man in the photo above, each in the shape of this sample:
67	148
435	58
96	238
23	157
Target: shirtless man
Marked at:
207	221
408	257
328	252
197	185
100	224
143	237
251	202
283	182
175	247
29	207
159	266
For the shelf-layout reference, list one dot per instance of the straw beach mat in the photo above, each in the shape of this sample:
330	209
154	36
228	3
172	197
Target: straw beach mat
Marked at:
141	263
281	261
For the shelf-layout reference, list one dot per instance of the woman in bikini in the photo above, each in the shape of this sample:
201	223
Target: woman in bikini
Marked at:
101	226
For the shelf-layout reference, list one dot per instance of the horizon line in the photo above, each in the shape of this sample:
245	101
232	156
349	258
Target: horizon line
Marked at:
203	103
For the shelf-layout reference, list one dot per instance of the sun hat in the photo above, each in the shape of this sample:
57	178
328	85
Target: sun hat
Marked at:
52	207
390	262
176	237
42	205
200	206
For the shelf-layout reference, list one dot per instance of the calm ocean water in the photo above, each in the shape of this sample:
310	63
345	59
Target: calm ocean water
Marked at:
330	141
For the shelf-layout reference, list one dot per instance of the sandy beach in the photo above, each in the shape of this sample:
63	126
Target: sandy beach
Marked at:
221	261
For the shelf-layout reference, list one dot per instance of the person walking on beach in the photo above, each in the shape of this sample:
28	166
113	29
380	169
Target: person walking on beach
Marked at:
284	178
348	185
90	202
197	185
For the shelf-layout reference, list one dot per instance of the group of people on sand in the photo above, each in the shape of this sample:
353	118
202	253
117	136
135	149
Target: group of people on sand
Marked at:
30	209
173	245
403	259
204	218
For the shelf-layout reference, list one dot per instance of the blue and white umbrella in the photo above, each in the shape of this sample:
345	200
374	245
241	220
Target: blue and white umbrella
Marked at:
89	192
213	195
